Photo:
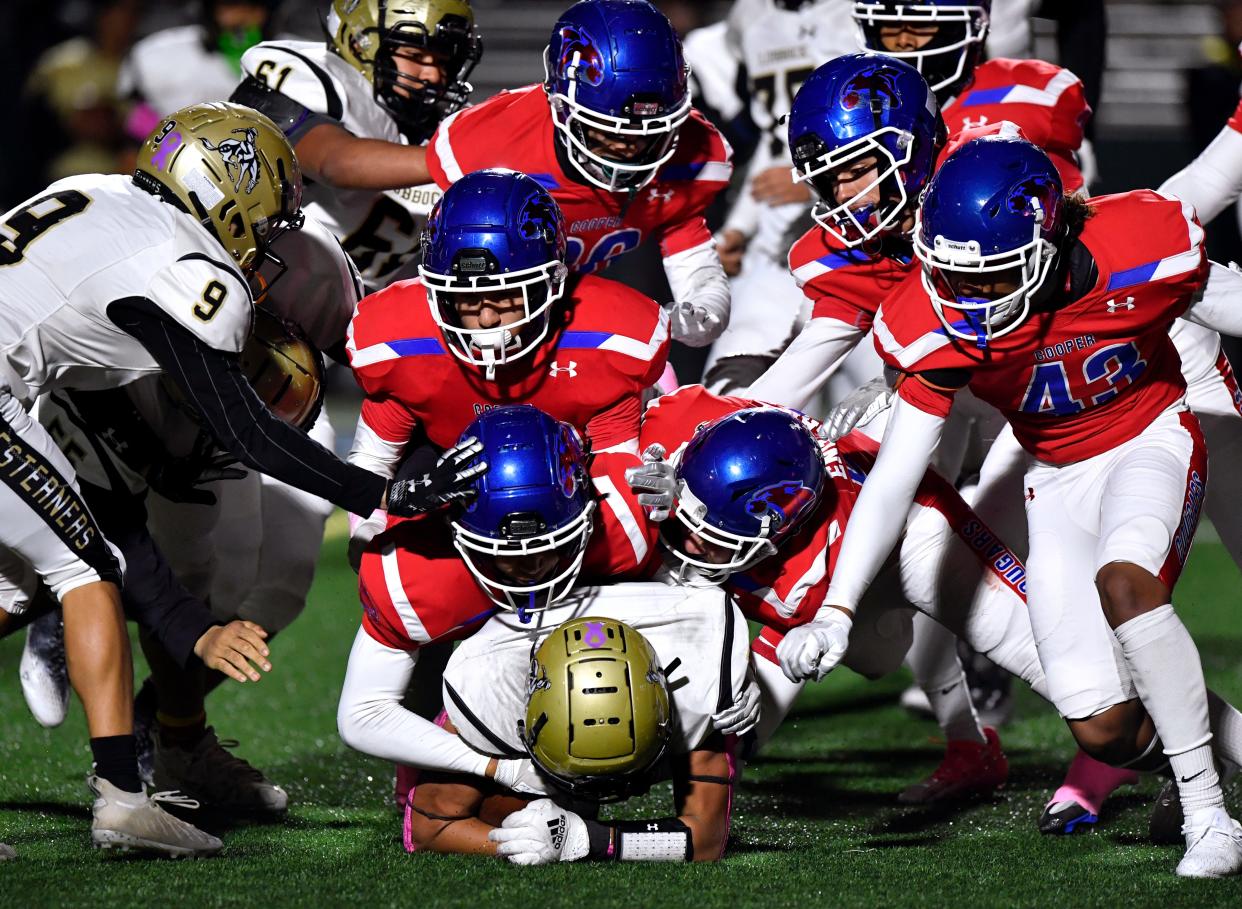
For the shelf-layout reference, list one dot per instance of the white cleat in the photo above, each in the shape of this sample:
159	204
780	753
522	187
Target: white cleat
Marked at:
1213	845
133	820
7	852
45	677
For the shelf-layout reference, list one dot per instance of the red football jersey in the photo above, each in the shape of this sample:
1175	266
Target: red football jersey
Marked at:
591	372
1089	376
514	129
1048	103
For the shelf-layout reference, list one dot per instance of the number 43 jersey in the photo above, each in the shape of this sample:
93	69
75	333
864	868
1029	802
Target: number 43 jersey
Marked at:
379	230
87	242
1094	372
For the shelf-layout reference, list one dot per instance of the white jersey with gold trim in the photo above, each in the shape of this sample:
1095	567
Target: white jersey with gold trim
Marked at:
379	230
699	635
84	243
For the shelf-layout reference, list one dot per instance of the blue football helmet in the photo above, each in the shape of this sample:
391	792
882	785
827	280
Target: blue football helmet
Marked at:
946	61
615	68
494	230
744	484
860	106
992	212
524	534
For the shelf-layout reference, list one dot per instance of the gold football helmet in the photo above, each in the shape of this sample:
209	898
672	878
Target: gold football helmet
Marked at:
598	716
284	369
232	169
371	34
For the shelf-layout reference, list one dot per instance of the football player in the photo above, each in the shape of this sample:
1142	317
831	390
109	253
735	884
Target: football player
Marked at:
359	107
758	504
603	710
778	45
1020	303
111	278
612	135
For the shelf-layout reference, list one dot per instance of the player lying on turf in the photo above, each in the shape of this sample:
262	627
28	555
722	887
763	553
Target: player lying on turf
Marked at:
613	137
1022	302
358	109
603	711
759	502
108	279
532	527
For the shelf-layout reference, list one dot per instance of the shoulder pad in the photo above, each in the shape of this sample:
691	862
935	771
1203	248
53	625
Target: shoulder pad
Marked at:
206	296
295	75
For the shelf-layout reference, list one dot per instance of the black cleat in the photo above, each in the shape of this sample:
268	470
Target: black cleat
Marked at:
1165	825
1064	818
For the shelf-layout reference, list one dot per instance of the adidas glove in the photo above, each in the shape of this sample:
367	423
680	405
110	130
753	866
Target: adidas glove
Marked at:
520	775
860	406
742	715
541	833
452	479
655	482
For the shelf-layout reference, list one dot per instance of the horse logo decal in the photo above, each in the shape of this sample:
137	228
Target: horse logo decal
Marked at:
241	158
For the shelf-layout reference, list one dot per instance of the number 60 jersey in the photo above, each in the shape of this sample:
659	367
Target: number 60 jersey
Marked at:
85	243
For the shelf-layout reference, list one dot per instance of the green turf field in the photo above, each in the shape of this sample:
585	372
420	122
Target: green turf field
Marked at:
815	822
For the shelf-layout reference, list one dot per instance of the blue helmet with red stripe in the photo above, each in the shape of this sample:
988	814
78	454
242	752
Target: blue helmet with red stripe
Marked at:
855	110
493	234
942	39
619	89
988	233
745	482
524	534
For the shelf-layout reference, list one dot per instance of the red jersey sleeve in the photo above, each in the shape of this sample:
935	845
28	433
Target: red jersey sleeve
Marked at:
700	170
623	543
835	279
468	140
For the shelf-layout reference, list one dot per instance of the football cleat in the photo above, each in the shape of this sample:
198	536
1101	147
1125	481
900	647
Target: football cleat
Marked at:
7	852
1213	845
133	820
144	732
209	772
914	700
44	674
968	769
1165	824
1064	817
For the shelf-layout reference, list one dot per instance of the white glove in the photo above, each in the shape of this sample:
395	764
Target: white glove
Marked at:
860	406
813	650
695	325
655	482
743	714
520	775
541	833
362	531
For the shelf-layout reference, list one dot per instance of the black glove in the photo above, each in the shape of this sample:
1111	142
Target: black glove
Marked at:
178	479
452	479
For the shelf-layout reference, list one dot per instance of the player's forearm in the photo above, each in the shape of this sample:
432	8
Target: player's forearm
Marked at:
441	834
1219	307
370	717
696	276
1212	181
806	364
331	155
879	516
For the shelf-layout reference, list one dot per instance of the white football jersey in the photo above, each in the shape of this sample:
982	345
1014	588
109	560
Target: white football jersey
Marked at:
84	243
713	69
698	634
379	230
174	68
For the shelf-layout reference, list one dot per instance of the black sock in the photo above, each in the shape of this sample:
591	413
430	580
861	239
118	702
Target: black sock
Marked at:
116	760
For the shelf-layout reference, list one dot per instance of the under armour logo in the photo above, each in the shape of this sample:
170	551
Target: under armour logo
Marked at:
653	828
806	31
1113	305
1030	493
555	369
661	195
968	123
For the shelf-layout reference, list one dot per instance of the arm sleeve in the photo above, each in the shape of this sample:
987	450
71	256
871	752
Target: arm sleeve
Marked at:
801	371
1213	181
213	383
1219	306
696	276
372	451
879	515
370	717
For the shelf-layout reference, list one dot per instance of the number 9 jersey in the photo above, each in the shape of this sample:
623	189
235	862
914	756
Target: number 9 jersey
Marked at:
85	243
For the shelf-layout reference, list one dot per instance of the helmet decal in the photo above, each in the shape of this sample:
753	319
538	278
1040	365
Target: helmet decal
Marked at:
568	459
167	142
872	87
1038	189
537	220
594	636
241	158
781	501
578	50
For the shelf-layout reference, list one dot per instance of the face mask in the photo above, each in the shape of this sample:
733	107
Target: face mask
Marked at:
235	42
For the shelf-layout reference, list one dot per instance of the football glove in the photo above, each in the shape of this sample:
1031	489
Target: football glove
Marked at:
813	650
655	482
179	479
520	775
541	833
452	479
694	324
742	715
860	406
